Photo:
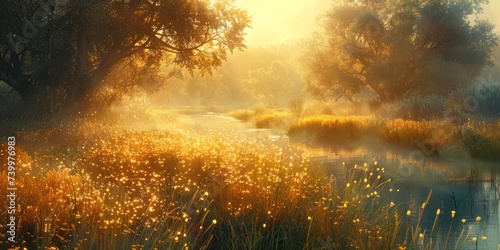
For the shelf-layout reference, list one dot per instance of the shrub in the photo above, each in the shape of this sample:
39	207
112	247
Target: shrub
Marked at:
482	141
479	100
420	107
487	95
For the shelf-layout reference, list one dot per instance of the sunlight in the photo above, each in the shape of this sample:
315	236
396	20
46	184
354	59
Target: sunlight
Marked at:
282	21
249	124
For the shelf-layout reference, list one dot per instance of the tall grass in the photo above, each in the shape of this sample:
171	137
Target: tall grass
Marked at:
331	129
430	134
128	189
273	120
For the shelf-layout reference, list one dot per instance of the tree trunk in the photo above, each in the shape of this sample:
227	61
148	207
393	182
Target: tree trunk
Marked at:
86	85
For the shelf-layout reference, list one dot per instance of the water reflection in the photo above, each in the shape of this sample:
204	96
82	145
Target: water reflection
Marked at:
468	187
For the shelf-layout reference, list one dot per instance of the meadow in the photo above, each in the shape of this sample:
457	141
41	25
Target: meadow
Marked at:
96	186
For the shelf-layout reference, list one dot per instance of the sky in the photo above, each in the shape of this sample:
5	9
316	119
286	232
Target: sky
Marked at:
281	21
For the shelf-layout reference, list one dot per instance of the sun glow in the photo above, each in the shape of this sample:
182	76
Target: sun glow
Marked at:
282	21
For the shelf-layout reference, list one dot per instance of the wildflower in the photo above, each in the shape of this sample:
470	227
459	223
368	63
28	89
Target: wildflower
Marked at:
264	225
483	238
474	239
348	185
452	214
438	212
463	220
408	213
421	236
478	219
423	205
309	218
214	221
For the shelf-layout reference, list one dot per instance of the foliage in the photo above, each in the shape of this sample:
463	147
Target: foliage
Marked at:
273	120
110	187
270	83
85	48
330	129
481	100
418	107
428	135
388	49
201	192
482	140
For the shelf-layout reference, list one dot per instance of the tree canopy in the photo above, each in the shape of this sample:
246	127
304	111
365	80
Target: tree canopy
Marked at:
387	49
70	54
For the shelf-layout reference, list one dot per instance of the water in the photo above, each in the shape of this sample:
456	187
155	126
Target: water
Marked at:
469	187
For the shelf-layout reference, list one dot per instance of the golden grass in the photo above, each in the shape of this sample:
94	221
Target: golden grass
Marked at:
431	135
125	189
331	129
273	120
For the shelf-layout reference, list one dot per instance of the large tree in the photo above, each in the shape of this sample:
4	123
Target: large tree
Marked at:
66	52
387	49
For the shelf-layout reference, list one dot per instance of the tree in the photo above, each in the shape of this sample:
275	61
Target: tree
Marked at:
69	51
387	49
269	83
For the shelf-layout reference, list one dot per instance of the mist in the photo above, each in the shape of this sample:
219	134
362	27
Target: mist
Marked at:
217	124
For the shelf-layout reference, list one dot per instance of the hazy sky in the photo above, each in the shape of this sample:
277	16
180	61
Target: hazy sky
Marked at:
277	21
